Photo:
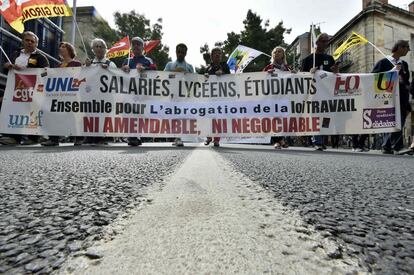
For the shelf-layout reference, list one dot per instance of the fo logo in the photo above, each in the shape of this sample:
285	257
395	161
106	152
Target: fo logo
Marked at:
65	84
384	84
347	86
24	87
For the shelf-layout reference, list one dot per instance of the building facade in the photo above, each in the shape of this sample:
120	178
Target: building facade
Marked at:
380	23
88	20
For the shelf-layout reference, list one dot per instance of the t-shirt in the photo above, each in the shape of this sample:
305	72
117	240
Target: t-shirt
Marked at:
179	67
323	61
97	62
213	68
73	63
22	59
276	67
143	60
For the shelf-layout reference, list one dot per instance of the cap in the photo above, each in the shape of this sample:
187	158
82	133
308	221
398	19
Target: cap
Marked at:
137	39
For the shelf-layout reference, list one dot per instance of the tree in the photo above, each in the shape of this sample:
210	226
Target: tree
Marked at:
256	35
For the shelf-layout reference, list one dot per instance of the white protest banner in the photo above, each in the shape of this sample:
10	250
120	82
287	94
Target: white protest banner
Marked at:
93	101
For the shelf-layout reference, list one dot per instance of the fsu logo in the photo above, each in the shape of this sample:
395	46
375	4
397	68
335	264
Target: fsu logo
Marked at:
24	87
384	84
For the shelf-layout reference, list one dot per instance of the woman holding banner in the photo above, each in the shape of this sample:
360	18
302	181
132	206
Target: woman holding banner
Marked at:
67	53
278	63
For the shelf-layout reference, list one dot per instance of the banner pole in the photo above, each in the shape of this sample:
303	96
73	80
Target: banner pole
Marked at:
72	41
8	59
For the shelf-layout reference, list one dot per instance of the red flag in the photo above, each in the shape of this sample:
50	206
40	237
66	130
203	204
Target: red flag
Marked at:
16	12
150	45
12	13
120	48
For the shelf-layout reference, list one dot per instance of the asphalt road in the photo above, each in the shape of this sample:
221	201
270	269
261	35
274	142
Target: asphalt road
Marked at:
66	210
365	202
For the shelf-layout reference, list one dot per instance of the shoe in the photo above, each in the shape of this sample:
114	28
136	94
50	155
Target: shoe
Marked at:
387	152
78	142
88	140
178	142
8	141
277	145
207	142
49	143
359	150
134	142
318	148
27	142
216	144
102	142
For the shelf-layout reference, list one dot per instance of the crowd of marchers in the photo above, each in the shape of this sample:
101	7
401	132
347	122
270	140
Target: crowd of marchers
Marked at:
30	57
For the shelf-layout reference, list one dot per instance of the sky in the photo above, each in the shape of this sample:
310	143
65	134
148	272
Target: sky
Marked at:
196	22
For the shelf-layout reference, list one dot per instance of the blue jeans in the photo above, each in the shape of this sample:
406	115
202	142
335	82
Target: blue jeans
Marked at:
317	140
394	140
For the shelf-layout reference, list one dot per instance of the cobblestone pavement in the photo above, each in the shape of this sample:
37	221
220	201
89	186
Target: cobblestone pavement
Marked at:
364	202
57	201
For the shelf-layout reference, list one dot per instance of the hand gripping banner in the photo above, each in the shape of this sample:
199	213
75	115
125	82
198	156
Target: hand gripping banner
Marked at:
93	101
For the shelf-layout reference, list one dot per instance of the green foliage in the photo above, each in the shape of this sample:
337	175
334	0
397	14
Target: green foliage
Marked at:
257	35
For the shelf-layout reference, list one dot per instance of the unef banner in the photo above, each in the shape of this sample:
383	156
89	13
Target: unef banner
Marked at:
93	101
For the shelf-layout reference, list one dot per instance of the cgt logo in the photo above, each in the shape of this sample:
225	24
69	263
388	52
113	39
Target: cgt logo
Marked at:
31	121
24	87
378	118
66	84
384	84
347	86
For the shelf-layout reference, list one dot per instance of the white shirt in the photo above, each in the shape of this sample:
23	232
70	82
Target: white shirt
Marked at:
97	62
23	59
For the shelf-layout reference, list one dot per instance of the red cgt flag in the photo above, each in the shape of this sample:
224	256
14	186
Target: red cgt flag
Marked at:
150	45
120	48
16	12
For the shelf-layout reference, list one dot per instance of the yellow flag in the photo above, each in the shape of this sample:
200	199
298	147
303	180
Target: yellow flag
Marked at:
353	40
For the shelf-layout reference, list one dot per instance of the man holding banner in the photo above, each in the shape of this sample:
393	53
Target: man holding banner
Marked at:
319	60
180	65
217	67
141	63
28	57
99	49
393	142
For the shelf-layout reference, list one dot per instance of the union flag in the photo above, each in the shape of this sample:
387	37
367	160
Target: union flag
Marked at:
16	12
150	45
120	48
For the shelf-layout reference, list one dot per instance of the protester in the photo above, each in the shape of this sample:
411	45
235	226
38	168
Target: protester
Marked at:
180	65
27	57
141	63
324	62
99	49
67	53
278	63
218	68
393	142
